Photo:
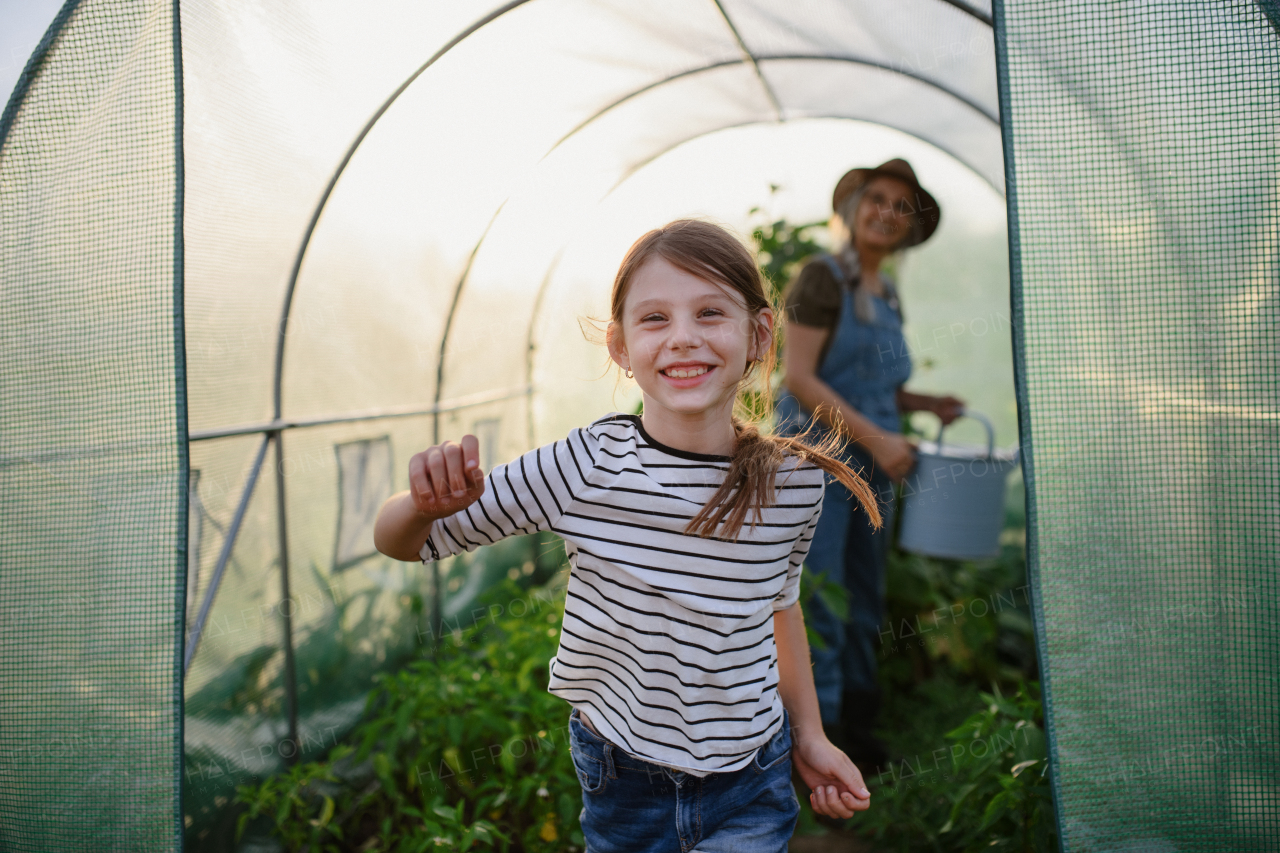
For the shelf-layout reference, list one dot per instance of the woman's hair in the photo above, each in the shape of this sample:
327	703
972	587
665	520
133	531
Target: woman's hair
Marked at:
713	254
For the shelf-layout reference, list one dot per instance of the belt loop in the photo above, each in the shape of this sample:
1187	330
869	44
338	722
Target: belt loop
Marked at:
609	770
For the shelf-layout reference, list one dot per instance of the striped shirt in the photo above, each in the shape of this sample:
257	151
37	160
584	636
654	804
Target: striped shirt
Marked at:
667	641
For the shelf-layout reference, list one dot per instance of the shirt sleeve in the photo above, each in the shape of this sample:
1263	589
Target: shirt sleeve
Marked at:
813	297
790	593
523	496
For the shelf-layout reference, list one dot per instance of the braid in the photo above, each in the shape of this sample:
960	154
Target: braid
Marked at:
751	481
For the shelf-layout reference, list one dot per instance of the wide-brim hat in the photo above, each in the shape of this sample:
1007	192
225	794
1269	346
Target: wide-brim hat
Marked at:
925	206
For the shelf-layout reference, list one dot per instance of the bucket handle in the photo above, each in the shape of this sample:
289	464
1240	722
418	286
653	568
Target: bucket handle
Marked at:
980	418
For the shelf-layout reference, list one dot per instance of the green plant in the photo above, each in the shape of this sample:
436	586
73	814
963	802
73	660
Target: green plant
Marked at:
463	750
781	246
1018	814
831	593
984	787
972	618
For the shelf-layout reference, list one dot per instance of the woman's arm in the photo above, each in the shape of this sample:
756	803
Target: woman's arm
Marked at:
947	408
443	480
890	450
837	785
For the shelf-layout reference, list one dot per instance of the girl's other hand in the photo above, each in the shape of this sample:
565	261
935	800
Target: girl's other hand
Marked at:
836	784
446	478
893	455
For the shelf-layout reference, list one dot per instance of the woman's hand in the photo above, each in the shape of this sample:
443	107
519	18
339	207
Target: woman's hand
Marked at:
947	408
446	478
893	454
836	784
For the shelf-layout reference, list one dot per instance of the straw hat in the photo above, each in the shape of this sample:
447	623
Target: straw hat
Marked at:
924	205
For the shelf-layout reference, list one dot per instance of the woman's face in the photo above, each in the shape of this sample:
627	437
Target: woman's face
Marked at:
883	217
687	340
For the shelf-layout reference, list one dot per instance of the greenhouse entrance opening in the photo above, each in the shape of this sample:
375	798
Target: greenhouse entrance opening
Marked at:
255	257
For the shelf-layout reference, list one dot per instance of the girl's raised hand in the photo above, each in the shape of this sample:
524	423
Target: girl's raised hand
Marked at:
837	786
446	478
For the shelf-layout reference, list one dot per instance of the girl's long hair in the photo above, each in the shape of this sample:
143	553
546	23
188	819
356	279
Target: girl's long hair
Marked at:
712	253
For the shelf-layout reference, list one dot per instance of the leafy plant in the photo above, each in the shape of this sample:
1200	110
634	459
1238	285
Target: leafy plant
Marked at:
464	749
782	246
833	596
985	787
967	617
1018	814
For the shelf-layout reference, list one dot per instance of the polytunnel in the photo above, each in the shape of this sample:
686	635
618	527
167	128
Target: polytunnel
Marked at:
256	255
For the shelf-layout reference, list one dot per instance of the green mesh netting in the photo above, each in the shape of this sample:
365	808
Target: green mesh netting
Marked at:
1143	173
92	440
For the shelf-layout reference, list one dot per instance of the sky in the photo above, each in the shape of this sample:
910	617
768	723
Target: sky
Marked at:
22	23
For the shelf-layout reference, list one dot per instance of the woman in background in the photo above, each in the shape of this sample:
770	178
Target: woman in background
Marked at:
846	359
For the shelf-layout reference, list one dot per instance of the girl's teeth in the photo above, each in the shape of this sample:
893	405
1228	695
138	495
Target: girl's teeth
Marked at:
681	373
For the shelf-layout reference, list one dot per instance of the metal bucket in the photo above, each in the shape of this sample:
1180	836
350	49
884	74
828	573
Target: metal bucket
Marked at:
953	500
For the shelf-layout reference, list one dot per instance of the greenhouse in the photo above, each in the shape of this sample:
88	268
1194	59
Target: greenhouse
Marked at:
256	256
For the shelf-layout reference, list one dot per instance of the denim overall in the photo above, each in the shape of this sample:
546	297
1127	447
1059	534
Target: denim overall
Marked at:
865	364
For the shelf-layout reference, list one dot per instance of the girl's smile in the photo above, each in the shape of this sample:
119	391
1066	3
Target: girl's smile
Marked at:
686	374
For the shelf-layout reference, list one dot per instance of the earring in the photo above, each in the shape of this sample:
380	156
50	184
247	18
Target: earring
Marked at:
629	374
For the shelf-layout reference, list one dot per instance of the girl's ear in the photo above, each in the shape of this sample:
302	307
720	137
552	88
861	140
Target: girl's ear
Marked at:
762	337
617	346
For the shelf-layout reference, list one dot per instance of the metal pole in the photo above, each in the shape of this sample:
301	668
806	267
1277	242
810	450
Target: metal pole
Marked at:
290	754
228	543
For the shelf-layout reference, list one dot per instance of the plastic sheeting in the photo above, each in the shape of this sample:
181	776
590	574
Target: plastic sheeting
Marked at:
450	263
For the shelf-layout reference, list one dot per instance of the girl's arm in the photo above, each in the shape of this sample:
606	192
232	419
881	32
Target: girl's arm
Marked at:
451	508
443	480
837	785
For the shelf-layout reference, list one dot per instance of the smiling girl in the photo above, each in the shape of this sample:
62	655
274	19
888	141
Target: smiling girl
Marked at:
683	650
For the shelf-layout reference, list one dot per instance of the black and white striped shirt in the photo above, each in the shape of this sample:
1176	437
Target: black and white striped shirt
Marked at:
667	641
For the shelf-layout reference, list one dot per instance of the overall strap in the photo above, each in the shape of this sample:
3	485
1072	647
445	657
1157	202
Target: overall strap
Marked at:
890	290
834	265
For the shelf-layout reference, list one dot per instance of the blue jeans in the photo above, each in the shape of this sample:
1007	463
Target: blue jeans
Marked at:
846	550
632	806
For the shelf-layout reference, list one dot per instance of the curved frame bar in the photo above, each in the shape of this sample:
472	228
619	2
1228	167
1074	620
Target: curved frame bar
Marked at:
688	72
290	289
645	162
530	344
337	173
448	323
972	12
751	58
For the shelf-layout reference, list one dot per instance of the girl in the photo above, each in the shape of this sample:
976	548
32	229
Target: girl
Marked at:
683	650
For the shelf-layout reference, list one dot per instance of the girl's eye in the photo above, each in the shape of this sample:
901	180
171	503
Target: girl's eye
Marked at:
647	318
711	312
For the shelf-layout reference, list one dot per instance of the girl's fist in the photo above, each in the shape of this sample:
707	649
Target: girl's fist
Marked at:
446	478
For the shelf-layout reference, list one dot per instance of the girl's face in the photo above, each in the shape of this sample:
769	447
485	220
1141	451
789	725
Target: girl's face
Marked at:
688	341
882	220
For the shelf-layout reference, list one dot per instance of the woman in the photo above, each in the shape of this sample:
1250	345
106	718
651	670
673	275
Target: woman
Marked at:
846	359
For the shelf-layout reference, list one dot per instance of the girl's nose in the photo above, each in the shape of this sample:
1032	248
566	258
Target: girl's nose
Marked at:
685	334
